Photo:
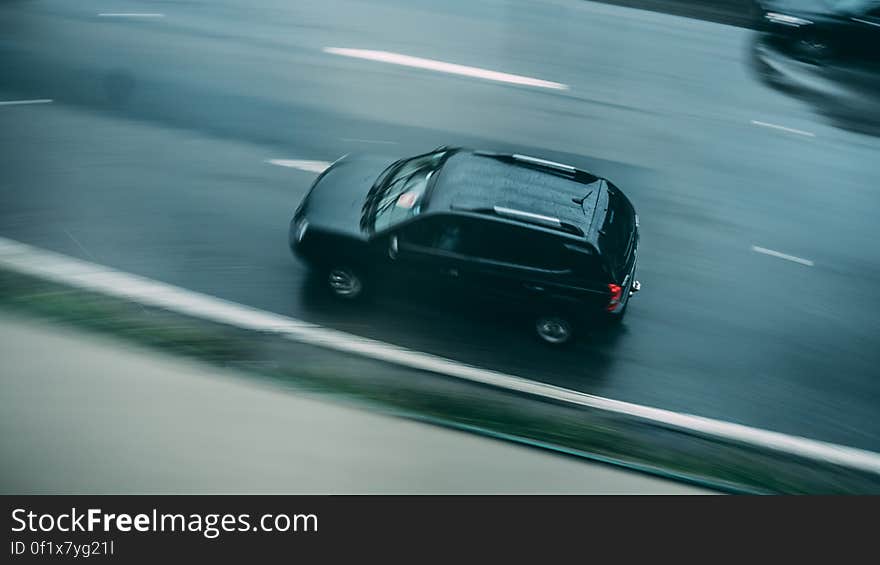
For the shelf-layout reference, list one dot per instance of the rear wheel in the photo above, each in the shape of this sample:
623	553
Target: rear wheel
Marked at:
554	329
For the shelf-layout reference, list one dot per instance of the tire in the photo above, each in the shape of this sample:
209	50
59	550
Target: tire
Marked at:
345	282
554	329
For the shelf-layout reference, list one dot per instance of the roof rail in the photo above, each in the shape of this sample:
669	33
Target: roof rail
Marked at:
528	217
543	163
572	172
502	211
541	219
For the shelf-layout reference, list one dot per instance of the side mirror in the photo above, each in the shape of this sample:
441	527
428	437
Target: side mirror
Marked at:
392	247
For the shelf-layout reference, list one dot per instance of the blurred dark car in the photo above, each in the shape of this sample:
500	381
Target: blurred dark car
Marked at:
493	230
822	32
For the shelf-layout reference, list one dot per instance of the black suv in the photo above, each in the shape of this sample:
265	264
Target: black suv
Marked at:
823	32
510	231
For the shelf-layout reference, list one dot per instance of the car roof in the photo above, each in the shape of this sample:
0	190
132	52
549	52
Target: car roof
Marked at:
521	188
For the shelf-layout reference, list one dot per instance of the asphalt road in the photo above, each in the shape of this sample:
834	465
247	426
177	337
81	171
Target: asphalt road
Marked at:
152	159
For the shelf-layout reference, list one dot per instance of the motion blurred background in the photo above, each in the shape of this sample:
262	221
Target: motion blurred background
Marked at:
174	139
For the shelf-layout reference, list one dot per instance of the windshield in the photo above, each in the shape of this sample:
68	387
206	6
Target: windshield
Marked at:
401	195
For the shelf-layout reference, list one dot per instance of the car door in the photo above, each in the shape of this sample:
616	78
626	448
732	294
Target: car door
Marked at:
562	275
425	257
519	269
458	258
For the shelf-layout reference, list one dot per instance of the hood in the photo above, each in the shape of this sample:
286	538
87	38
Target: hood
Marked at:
335	201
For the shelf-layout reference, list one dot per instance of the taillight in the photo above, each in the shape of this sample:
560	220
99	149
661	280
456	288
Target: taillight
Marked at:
616	293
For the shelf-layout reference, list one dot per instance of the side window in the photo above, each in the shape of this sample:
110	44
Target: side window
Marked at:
420	232
504	243
452	236
489	240
442	233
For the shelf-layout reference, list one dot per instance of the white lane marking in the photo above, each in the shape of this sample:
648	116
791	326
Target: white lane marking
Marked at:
129	15
310	166
359	140
785	256
97	278
442	67
23	102
783	128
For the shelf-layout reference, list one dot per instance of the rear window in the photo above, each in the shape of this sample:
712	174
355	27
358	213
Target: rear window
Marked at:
615	235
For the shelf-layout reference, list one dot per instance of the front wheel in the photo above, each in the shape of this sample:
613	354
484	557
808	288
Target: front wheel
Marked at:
345	282
554	330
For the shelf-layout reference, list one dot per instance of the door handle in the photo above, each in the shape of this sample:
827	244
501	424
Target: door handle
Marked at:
534	287
453	272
